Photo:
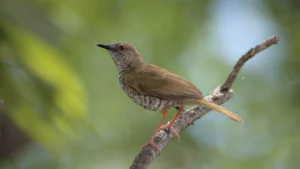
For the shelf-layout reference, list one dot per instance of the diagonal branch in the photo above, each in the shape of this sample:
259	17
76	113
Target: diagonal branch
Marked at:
250	54
187	118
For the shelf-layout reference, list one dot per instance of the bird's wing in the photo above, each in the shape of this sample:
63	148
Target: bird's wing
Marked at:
155	81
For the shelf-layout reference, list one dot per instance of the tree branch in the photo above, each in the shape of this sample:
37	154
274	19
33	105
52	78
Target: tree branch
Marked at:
188	117
250	54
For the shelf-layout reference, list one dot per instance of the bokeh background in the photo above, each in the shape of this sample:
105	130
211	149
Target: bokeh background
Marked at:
63	107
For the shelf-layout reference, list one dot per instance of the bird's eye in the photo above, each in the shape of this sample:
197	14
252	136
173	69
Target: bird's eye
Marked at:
121	47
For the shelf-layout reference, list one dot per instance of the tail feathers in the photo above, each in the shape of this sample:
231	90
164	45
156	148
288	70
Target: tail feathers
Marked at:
221	110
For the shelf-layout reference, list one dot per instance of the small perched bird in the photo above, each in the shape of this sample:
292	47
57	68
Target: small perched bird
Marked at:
155	88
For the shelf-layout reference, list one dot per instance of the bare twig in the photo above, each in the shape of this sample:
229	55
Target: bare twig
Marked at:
251	52
187	118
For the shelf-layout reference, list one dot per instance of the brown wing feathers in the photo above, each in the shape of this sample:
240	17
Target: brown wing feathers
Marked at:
155	81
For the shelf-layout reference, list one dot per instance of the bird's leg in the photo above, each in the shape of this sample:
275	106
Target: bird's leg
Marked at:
170	124
164	114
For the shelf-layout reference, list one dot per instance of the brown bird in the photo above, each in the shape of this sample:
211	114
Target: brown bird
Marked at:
155	88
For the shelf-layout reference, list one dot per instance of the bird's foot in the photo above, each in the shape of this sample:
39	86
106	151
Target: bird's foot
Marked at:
151	142
166	126
169	126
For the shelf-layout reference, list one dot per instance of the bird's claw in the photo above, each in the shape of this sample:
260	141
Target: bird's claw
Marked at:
169	126
151	142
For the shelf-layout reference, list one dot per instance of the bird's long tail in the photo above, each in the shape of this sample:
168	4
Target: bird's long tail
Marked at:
221	110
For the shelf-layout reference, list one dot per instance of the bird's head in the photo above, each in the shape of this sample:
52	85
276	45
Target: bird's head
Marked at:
123	54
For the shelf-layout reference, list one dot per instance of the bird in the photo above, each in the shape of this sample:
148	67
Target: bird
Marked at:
155	88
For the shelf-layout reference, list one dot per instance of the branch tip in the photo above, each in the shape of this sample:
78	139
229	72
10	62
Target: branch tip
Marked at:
248	55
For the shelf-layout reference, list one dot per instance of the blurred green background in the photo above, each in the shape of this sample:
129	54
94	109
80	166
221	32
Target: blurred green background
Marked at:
64	108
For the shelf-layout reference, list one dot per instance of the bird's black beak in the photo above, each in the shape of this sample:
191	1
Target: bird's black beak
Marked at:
108	47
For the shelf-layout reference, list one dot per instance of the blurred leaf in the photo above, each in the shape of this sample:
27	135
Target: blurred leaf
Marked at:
40	58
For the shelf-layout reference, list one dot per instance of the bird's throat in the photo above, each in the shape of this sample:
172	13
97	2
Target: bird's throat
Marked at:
124	66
